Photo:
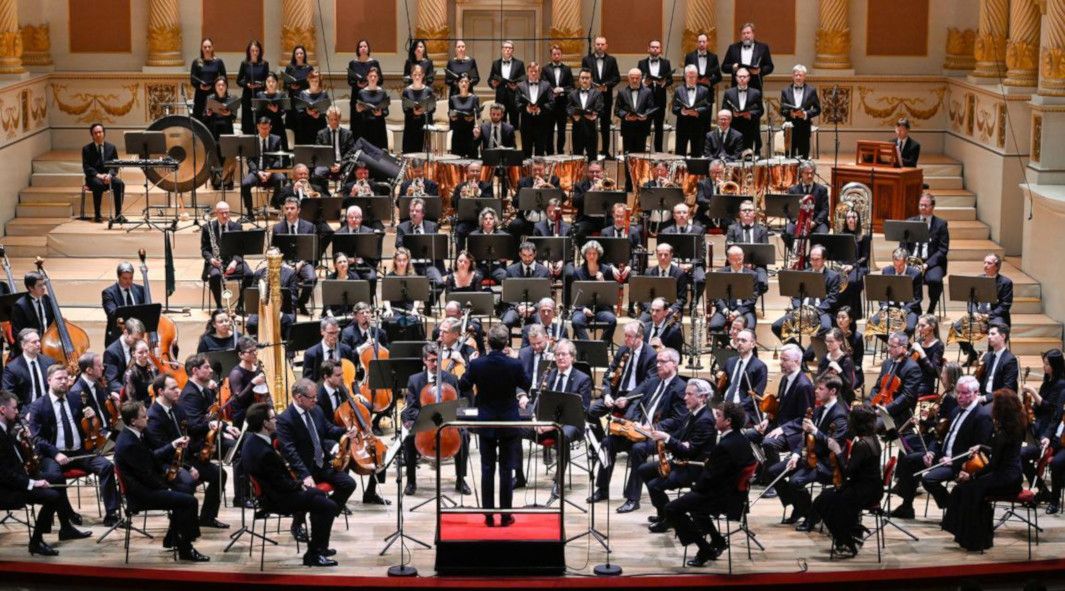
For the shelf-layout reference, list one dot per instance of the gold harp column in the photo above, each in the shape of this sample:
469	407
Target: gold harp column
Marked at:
833	35
432	26
1022	49
1052	54
297	28
991	40
566	23
36	45
10	39
164	33
700	17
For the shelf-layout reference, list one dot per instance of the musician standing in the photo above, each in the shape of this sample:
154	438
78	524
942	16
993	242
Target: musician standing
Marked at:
584	107
505	74
745	103
933	252
358	79
98	177
804	106
658	76
120	293
215	267
909	150
723	143
560	76
604	72
633	106
692	105
706	64
750	55
534	101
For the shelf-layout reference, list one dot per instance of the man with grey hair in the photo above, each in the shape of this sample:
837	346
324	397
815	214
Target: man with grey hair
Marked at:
808	185
330	348
724	143
123	292
633	105
453	309
795	394
547	317
340	140
692	105
911	308
898	363
799	105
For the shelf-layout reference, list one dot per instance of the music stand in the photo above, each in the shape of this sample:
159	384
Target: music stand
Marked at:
660	198
566	409
592	295
756	253
905	231
889	288
242	243
698	166
592	352
520	290
296	247
345	292
470	208
842	248
801	285
433	208
500	159
242	147
393	374
975	290
781	205
645	288
726	206
143	144
378	207
321	209
729	287
431	247
406	349
616	249
223	362
430	418
481	303
7	302
552	248
313	155
492	247
303	336
365	246
530	199
685	246
401	288
598	203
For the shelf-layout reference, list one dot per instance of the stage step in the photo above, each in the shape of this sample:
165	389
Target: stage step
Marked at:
44	209
956	214
944	182
32	226
960	250
26	246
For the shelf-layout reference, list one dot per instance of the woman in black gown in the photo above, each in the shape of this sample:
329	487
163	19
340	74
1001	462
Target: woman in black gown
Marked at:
205	70
220	123
252	78
463	108
464	275
969	515
839	361
343	271
845	322
460	66
1047	406
310	121
415	117
295	82
372	121
852	296
219	334
273	111
418	56
139	375
358	69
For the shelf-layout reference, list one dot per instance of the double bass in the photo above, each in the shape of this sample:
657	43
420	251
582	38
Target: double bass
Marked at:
63	341
164	340
450	437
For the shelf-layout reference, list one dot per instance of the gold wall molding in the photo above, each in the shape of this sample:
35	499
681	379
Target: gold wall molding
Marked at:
961	47
1037	136
890	108
36	45
87	107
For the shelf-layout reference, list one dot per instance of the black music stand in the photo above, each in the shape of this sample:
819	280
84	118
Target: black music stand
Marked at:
592	295
782	205
480	303
148	314
470	208
698	166
223	362
801	285
433	208
726	206
406	349
492	247
321	209
617	250
599	203
841	248
566	409
364	246
313	155
345	292
593	353
974	290
500	159
297	247
393	374
689	247
645	288
405	288
530	199
430	417
519	290
143	144
552	248
728	287
242	243
660	198
378	207
242	147
905	231
756	254
431	247
889	288
303	336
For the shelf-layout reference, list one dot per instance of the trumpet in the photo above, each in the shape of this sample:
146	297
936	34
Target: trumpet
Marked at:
416	188
603	184
362	189
469	190
540	183
306	188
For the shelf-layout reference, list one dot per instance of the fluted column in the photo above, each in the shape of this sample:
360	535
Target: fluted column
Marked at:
297	28
10	39
833	35
700	17
1052	54
164	33
432	25
36	45
566	24
991	39
1022	49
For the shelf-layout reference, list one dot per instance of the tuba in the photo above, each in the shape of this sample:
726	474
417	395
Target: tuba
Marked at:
853	196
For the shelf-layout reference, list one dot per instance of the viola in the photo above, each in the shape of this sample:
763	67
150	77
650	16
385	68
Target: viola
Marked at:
31	459
811	444
769	404
92	427
663	461
628	429
179	455
450	440
976	462
890	385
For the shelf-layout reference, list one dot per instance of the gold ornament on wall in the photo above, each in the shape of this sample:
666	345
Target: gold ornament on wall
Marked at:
88	107
36	45
838	109
986	124
1001	141
157	97
293	36
1052	63
958	113
11	44
990	48
915	108
833	42
569	40
691	37
164	39
435	39
961	47
1021	55
1037	136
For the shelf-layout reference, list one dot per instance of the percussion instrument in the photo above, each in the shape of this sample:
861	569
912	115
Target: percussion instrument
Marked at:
569	169
190	143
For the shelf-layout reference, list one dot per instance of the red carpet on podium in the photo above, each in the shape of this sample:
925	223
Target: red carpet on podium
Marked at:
460	527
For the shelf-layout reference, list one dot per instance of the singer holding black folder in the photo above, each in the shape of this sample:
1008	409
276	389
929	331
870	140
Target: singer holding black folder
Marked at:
358	78
251	77
204	71
799	104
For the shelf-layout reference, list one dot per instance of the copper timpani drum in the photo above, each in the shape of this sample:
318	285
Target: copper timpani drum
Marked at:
569	169
449	174
775	175
514	173
432	162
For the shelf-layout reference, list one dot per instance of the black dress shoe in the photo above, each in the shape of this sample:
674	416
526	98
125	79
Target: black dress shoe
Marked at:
299	532
597	496
190	554
807	525
519	483
328	552
213	523
654	518
1053	508
375	499
628	507
97	220
506	520
315	559
462	488
71	533
659	527
303	310
704	556
490	520
410	489
39	547
903	512
168	540
111	518
795	517
75	519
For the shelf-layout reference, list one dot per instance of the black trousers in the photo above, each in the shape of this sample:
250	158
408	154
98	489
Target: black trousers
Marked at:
657	487
410	458
604	121
535	133
501	450
182	507
638	453
98	465
658	119
323	510
584	140
933	280
118	188
691	133
800	139
50	501
274	181
690	516
556	129
210	475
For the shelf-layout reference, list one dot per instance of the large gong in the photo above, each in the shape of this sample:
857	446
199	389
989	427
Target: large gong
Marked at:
190	143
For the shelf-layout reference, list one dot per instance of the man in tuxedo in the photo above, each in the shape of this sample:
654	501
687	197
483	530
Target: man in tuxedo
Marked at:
636	360
117	356
121	293
692	104
534	102
283	492
328	349
33	310
605	75
341	140
723	143
707	188
521	313
933	251
359	331
997	311
910	309
432	268
258	167
560	77
98	177
92	384
25	374
705	62
1000	364
496	133
826	306
900	365
745	103
805	106
795	394
497	378
657	76
661	329
746	372
632	106
725	311
216	266
584	107
909	150
808	185
292	224
195	401
748	54
506	73
747	230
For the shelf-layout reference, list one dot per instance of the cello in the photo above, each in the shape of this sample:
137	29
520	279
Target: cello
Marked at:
365	448
450	438
163	347
381	398
63	341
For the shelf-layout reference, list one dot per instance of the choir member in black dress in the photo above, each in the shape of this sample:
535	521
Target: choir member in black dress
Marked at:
295	81
969	515
859	462
459	66
417	116
856	272
463	108
219	334
358	69
418	56
139	375
205	70
310	121
252	78
220	123
929	350
561	78
273	111
372	119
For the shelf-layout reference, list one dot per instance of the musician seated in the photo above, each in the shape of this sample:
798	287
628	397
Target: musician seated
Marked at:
547	317
417	184
140	374
997	311
705	190
999	366
143	467
360	331
837	359
855	272
474	335
603	314
687	439
120	293
527	223
808	185
725	311
747	230
488	226
33	310
521	314
472	187
824	307
535	357
657	398
98	177
415	384
94	392
417	223
929	351
361	185
585	222
633	362
933	252
723	143
342	271
716	491
24	375
746	375
216	266
667	268
301	187
55	424
402	315
809	461
1047	404
694	268
619	227
662	328
259	174
908	148
219	334
291	224
552	224
970	425
328	349
341	140
464	275
909	309
795	395
245	380
290	280
354	223
282	490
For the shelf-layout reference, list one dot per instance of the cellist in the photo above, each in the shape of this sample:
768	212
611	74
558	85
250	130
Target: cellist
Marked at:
415	383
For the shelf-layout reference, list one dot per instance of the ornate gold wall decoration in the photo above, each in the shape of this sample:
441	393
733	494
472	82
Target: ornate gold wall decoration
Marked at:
841	105
1001	135
1022	55
38	108
89	107
1037	137
700	16
915	108
970	113
436	38
575	42
833	42
958	112
293	36
36	45
157	97
961	45
986	124
163	39
990	48
1052	64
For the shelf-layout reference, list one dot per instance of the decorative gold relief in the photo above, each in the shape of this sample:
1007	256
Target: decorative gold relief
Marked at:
1052	64
1022	55
436	38
990	48
691	37
10	44
986	124
88	107
970	110
36	38
838	109
833	42
960	42
157	97
918	108
1037	136
164	39
958	112
293	36
1001	135
571	40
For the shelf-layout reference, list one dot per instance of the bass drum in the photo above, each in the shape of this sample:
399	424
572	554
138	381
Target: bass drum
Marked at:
190	143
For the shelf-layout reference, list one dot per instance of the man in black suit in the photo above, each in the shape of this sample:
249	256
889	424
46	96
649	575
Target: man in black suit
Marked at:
667	268
258	168
25	374
585	222
354	223
534	102
827	306
605	75
473	187
415	170
900	365
534	359
746	372
1001	368
692	105
662	329
997	311
216	266
293	224
829	421
659	398
636	360
521	313
748	54
360	331
747	230
497	378
33	310
705	62
142	467
658	76
795	394
745	103
496	133
616	228
970	425
909	309
560	77
328	349
723	143
933	251
584	107
808	185
428	264
694	268
689	438
908	150
633	106
706	189
521	225
121	293
100	178
805	106
91	388
725	311
552	224
717	490
117	356
18	487
341	140
506	72
195	401
55	423
547	317
281	490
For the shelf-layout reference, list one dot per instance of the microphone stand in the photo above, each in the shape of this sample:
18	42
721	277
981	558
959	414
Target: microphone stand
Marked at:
835	121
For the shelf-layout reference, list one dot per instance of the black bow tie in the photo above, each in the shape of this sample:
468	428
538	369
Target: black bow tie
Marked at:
654	60
747	227
506	62
748	45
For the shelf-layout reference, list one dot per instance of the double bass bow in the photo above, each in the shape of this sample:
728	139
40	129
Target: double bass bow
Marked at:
163	347
63	341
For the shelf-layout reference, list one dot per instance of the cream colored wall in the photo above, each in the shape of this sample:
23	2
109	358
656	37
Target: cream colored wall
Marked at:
1044	228
16	161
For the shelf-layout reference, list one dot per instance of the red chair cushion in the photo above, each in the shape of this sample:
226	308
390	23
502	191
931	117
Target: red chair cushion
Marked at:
256	488
324	487
73	473
1026	496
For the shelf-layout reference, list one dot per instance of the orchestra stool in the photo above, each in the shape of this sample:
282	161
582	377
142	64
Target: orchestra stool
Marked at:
126	522
264	513
1026	499
328	490
78	478
9	510
82	216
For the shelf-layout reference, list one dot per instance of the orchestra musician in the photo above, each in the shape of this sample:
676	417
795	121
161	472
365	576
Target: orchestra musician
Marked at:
636	361
705	62
202	75
98	177
584	222
418	57
139	375
592	269
430	265
933	252
826	307
118	355
745	103
723	143
355	223
725	311
341	140
359	79
291	284
330	348
898	363
219	334
522	225
258	168
705	190
495	133
359	186
694	268
747	230
634	105
838	360
547	317
657	76
605	75
662	328
123	292
463	108
998	311
474	331
560	77
1048	404
244	378
909	309
808	185
536	357
360	331
908	149
692	104
803	98
374	110
856	272
420	112
667	268
403	312
459	66
583	107
928	350
1000	366
534	101
217	268
747	54
97	391
332	393
33	310
553	224
473	187
521	313
291	224
251	77
342	271
24	374
487	226
855	342
747	375
795	395
504	76
616	228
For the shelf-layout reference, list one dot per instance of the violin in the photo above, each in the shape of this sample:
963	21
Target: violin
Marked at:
165	339
811	444
380	399
768	404
627	429
450	440
92	427
210	441
364	448
615	378
1027	398
976	462
890	385
179	455
115	422
63	341
31	460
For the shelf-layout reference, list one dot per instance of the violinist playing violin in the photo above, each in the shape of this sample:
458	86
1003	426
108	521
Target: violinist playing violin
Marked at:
898	397
119	355
101	399
547	317
1048	407
745	373
635	360
415	383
